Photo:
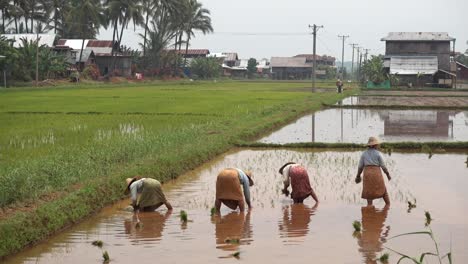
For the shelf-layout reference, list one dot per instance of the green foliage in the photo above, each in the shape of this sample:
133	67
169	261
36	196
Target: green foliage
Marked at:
205	68
384	258
105	256
251	67
91	72
357	226
97	243
183	216
213	211
463	59
373	69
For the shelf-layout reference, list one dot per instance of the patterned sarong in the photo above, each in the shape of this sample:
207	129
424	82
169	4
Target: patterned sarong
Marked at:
373	183
300	183
151	194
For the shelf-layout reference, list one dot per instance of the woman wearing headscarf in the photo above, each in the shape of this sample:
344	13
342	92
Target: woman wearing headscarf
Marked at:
146	194
296	176
371	163
228	189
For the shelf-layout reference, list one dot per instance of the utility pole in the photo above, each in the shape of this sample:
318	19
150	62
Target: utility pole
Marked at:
314	65
353	45
365	56
360	65
357	62
37	58
343	37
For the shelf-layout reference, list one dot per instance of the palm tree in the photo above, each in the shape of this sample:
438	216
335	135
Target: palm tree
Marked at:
197	18
85	19
56	11
123	12
151	8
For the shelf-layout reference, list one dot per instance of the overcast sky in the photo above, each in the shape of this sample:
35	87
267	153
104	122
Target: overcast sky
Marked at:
266	28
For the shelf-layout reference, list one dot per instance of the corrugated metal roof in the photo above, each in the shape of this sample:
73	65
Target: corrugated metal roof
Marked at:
101	51
289	62
73	43
193	52
93	43
418	36
318	57
85	56
44	39
412	65
230	56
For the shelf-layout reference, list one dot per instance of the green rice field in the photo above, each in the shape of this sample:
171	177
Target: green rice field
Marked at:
74	146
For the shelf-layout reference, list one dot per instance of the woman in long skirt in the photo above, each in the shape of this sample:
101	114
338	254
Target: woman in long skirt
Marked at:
371	163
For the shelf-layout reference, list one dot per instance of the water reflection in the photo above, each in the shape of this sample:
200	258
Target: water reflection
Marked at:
233	230
374	233
294	224
148	229
355	126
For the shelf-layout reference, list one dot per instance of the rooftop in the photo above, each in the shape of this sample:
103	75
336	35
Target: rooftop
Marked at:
418	36
288	62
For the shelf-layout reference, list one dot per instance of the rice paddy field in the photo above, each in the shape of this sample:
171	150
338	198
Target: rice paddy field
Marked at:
64	152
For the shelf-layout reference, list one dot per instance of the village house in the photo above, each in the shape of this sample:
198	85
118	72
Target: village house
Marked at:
293	68
290	68
100	53
419	58
320	60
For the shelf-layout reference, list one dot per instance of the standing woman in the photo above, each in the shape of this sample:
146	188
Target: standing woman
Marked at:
296	176
371	162
228	189
146	194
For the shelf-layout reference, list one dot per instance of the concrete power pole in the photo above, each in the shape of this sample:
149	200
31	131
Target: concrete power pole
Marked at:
365	56
353	45
343	37
314	66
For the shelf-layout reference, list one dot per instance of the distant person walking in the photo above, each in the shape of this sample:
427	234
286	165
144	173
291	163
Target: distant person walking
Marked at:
371	163
146	194
228	189
296	176
339	86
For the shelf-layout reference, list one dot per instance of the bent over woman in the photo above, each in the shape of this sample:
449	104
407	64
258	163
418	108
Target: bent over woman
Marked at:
228	189
373	183
146	194
296	176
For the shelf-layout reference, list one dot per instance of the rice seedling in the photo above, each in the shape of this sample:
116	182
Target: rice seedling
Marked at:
411	205
384	258
236	254
232	240
183	216
105	256
97	243
357	226
466	161
213	211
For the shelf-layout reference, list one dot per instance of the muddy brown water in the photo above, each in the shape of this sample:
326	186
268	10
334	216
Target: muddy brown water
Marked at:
275	230
348	125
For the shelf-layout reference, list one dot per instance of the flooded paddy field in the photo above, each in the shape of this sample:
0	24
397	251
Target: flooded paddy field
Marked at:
275	230
355	126
426	101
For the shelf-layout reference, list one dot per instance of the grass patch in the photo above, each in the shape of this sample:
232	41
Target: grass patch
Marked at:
434	147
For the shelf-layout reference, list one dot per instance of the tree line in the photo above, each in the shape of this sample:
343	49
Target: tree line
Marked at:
167	24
